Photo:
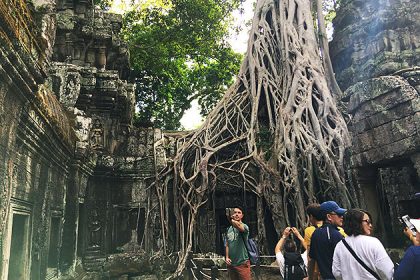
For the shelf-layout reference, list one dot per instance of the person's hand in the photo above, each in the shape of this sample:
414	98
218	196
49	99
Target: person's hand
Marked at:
297	234
295	231
286	232
228	261
408	233
410	236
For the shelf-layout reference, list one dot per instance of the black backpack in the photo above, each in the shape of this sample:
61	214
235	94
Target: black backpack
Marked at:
294	267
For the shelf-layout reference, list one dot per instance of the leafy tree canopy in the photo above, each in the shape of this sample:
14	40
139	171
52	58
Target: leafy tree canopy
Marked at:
179	53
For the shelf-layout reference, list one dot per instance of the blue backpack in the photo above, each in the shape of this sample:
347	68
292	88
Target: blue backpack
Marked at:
251	247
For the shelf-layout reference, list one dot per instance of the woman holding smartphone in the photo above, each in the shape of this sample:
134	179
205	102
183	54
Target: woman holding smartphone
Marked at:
409	268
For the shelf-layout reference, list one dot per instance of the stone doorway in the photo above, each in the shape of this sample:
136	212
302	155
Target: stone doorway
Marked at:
19	248
53	255
81	238
223	200
222	225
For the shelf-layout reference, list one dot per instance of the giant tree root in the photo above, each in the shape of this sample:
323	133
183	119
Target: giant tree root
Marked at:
277	131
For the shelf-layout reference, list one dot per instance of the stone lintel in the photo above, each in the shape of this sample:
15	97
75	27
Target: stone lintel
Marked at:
403	110
365	91
387	153
386	133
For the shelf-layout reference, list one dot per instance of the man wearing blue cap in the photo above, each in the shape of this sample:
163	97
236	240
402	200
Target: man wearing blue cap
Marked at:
324	240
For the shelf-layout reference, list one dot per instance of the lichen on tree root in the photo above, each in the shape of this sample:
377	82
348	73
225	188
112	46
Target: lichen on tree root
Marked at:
276	132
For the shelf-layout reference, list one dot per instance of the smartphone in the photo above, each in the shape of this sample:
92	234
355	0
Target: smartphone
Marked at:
402	222
228	212
406	220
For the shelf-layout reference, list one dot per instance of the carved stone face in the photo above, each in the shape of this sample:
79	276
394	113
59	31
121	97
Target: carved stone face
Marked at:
82	128
97	124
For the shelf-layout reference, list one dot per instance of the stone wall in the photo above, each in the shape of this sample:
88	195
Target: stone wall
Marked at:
76	174
115	159
36	147
374	38
89	37
375	56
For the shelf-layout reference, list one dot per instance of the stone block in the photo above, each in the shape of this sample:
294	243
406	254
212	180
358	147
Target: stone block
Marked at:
385	134
412	76
123	264
403	110
393	89
386	153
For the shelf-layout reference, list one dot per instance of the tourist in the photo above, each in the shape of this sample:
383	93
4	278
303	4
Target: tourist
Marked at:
324	240
296	263
315	220
237	260
368	259
409	268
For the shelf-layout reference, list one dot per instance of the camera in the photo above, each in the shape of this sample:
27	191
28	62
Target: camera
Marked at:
405	220
229	211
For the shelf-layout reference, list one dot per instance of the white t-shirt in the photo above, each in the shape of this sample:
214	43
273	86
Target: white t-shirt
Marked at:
280	261
370	250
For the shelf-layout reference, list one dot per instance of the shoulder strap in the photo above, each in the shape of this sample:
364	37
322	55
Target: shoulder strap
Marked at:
246	246
360	261
243	239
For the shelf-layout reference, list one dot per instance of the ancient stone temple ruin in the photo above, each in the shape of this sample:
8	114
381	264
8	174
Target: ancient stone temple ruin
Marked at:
74	170
77	178
375	53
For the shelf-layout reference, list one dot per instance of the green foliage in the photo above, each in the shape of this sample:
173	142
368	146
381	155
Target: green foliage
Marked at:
179	53
329	8
103	4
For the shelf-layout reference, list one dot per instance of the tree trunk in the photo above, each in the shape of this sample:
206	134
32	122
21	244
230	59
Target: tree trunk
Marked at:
325	51
277	130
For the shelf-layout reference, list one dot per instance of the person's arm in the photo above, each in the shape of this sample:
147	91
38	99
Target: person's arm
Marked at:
299	236
311	269
336	264
311	261
238	225
383	263
307	239
406	268
307	236
227	259
280	243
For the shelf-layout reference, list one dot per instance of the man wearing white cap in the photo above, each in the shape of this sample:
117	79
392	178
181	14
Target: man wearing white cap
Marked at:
409	268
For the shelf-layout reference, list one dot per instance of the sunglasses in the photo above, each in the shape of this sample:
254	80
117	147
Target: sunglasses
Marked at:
367	221
333	213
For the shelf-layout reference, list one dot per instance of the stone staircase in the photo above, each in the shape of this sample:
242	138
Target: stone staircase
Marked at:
52	273
94	260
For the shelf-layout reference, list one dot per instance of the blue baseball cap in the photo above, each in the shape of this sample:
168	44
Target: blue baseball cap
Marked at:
332	206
